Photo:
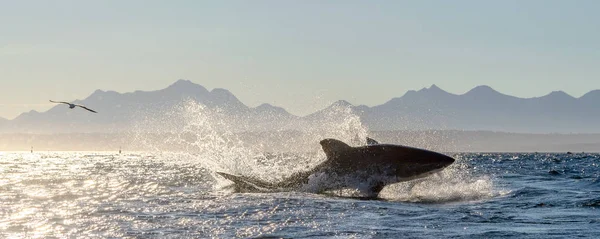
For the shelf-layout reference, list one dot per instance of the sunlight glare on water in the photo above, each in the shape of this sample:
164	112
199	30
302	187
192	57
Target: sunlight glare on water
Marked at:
94	194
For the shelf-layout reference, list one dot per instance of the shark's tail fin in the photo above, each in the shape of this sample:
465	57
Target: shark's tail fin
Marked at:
245	184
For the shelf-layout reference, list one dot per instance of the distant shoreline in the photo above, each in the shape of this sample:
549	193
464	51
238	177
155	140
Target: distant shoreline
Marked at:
452	141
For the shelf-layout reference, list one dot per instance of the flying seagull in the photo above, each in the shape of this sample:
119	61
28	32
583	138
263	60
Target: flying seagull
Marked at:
71	105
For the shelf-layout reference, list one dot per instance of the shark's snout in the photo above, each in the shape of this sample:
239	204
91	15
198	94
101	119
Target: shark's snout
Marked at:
429	160
439	160
446	160
421	163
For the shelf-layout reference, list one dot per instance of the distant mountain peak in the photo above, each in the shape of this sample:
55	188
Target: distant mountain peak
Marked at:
28	114
96	94
185	85
559	94
270	109
341	103
408	93
483	87
265	106
432	92
435	87
591	95
334	105
482	90
182	82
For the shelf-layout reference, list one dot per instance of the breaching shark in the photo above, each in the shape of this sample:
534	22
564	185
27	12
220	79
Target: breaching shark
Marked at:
374	165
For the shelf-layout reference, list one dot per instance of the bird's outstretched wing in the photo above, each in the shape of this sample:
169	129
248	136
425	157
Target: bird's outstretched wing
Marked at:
72	105
62	102
91	110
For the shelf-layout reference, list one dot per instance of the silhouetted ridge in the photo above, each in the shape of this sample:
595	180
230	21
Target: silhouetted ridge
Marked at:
341	103
435	91
424	94
483	90
435	88
97	92
100	94
187	87
558	95
28	115
481	108
267	108
223	97
222	93
592	95
181	83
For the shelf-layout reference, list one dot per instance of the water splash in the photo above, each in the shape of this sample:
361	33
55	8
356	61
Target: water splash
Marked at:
211	138
339	122
456	183
192	133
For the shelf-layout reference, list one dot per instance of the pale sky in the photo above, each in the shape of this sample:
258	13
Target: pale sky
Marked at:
300	55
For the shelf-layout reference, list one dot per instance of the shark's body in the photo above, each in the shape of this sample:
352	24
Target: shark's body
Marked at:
374	165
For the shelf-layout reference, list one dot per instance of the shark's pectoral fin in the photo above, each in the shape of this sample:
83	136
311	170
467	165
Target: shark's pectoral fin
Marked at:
371	141
376	188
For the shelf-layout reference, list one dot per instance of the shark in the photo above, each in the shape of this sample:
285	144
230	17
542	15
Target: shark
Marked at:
372	166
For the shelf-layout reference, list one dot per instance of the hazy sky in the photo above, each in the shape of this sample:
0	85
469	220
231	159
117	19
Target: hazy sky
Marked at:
301	55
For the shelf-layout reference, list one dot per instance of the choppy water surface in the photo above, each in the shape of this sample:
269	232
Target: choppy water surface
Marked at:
165	195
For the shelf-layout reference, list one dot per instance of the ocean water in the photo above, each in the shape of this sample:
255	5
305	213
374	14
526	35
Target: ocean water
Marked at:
174	195
171	190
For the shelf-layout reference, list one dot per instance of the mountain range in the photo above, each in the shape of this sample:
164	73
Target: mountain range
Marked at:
481	108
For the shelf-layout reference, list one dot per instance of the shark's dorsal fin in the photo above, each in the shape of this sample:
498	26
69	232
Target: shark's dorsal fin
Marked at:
371	141
333	147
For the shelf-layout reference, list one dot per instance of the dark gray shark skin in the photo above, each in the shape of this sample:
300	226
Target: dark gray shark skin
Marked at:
377	165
